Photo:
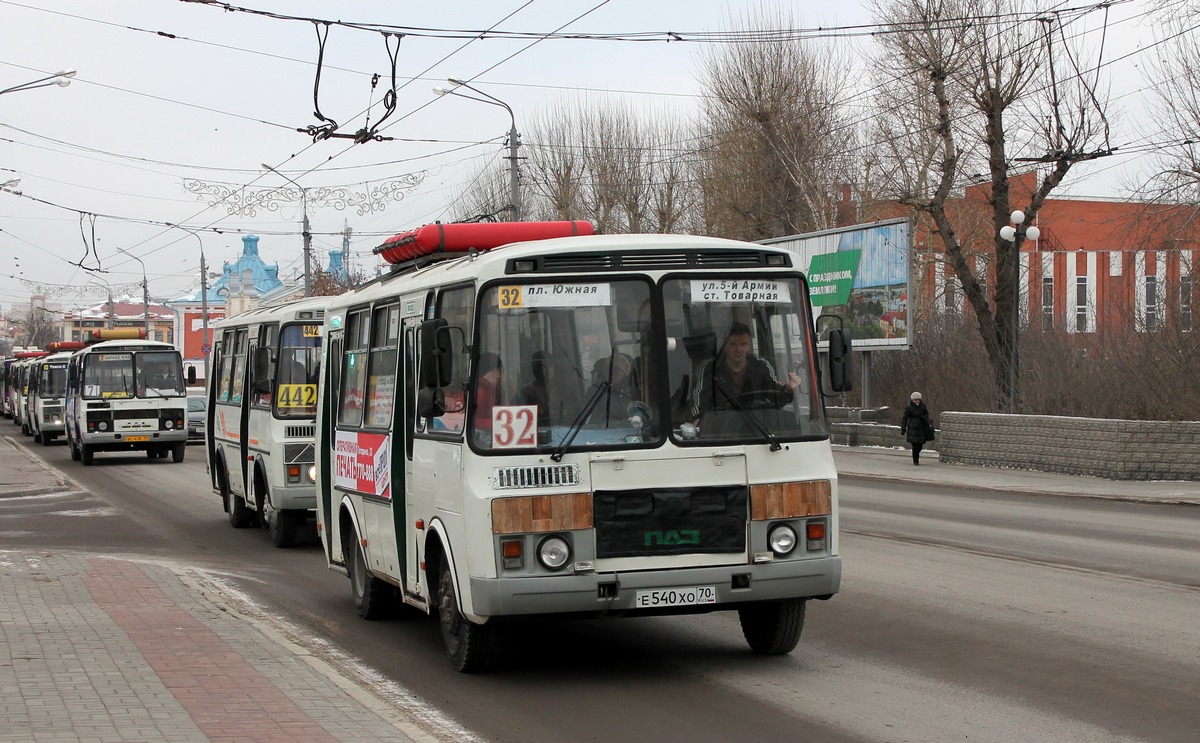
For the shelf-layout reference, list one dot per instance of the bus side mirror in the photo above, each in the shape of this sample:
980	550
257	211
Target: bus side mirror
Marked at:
431	403
191	375
437	357
261	370
841	361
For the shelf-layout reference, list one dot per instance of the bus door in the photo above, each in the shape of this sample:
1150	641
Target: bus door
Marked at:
210	424
248	399
406	423
327	497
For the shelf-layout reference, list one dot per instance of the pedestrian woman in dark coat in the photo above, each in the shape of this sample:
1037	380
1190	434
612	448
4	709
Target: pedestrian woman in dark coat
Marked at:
916	425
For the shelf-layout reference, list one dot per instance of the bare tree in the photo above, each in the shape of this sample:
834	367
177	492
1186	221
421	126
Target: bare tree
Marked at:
980	76
1175	81
776	143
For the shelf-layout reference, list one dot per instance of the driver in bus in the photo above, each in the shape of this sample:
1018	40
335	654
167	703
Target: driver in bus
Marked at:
737	374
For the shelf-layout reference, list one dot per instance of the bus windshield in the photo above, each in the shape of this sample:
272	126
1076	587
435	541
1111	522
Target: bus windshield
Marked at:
742	349
108	375
600	363
53	381
298	368
159	374
566	362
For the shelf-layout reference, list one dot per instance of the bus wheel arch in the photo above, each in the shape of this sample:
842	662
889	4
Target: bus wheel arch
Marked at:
469	647
372	596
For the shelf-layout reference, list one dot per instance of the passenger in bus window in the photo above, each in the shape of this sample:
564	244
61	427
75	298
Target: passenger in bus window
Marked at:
487	392
738	374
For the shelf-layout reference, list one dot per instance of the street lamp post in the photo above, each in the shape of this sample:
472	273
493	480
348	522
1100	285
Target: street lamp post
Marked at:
514	191
1010	233
145	291
108	289
307	233
62	79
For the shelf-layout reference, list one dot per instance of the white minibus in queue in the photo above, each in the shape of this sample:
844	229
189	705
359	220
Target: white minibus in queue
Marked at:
515	424
261	404
125	393
48	391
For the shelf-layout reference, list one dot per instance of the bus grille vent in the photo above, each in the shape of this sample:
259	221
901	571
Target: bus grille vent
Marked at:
542	476
300	432
654	259
299	453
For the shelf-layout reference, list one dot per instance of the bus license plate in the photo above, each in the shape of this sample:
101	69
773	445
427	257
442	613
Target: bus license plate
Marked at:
137	438
676	597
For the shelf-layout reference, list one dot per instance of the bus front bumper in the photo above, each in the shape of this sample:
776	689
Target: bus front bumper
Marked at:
604	593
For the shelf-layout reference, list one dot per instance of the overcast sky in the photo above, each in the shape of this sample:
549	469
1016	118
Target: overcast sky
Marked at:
146	112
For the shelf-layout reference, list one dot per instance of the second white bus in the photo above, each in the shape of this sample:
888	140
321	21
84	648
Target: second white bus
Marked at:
261	404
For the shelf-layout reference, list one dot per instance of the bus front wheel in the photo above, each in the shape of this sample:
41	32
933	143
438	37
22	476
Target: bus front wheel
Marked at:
177	452
468	645
86	455
773	627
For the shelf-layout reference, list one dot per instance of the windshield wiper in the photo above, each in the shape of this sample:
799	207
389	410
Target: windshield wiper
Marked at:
578	422
748	416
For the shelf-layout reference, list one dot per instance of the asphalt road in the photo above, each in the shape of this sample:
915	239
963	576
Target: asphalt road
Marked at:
963	616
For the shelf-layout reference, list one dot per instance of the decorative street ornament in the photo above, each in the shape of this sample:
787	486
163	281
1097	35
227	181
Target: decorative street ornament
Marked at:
243	201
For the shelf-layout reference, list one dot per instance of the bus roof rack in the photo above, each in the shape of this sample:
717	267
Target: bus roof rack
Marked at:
451	240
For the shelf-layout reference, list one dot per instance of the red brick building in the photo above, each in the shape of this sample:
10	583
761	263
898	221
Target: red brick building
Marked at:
1100	265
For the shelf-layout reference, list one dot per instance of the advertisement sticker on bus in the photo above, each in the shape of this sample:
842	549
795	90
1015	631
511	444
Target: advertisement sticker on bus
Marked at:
362	462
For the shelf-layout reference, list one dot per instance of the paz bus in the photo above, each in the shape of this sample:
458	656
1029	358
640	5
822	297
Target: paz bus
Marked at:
125	393
18	393
261	407
48	391
519	423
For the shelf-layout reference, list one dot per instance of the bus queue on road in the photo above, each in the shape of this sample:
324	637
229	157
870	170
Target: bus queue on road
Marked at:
518	420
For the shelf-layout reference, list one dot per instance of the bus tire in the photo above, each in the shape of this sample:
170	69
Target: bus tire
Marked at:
37	437
235	506
468	645
151	453
177	452
283	527
47	439
370	594
773	627
86	455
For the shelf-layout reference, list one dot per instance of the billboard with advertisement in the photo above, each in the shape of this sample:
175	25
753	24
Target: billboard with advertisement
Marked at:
861	274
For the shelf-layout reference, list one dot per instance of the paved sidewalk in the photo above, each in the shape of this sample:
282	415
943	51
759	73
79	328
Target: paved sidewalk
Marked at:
100	648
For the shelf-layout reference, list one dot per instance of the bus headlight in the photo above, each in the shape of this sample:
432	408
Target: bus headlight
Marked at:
102	425
554	552
782	540
312	473
169	424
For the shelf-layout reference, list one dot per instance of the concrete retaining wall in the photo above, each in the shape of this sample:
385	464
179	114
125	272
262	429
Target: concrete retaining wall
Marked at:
1116	449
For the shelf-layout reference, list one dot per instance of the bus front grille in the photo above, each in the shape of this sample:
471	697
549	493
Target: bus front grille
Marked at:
683	521
537	476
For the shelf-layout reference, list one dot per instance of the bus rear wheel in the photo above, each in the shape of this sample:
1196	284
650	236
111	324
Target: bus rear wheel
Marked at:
468	645
239	515
371	595
773	627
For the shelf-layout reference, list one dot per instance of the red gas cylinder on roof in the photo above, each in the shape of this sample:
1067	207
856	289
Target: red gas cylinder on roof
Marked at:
462	237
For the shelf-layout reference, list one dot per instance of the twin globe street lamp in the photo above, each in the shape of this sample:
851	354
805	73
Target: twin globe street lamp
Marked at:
1008	233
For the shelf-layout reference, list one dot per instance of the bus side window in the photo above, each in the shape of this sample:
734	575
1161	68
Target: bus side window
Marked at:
226	370
354	369
381	371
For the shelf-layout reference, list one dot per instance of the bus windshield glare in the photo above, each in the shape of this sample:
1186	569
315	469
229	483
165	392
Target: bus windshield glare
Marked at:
623	363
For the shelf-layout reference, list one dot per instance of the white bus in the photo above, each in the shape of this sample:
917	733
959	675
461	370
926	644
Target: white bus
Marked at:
18	387
261	405
619	425
48	391
126	394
